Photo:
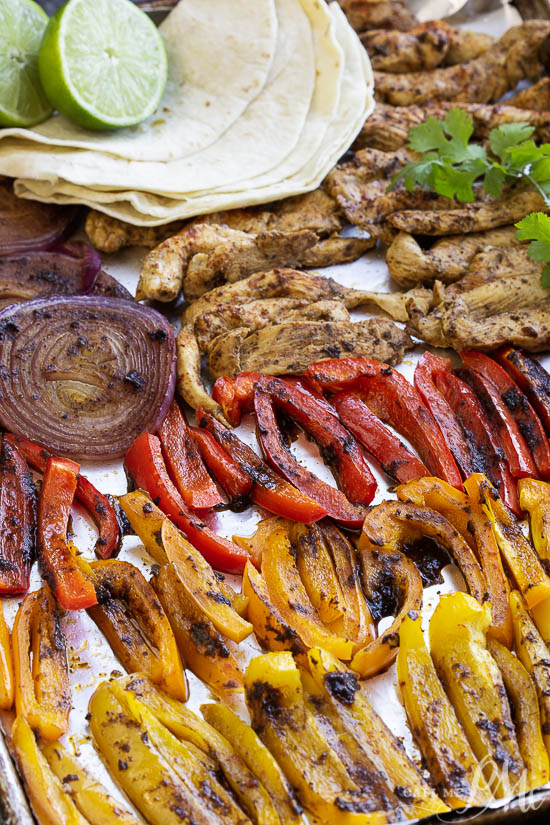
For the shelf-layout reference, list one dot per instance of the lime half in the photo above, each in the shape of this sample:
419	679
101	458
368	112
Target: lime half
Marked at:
22	100
103	63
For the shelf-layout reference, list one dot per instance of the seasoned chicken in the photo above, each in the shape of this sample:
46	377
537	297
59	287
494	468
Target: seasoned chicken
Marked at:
447	260
189	382
291	346
535	97
469	217
426	46
111	234
384	14
388	127
517	55
335	250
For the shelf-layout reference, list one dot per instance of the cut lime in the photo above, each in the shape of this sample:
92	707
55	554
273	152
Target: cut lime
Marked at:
22	99
103	63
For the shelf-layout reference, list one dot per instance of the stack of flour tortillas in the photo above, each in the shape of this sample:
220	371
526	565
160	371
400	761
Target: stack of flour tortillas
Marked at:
263	98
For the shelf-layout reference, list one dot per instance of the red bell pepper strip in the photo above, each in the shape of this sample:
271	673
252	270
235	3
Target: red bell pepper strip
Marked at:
98	506
145	466
515	401
531	377
278	454
72	589
269	489
487	455
227	472
394	458
505	428
17	520
424	374
184	462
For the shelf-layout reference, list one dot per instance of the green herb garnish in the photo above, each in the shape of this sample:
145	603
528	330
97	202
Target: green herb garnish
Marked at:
536	228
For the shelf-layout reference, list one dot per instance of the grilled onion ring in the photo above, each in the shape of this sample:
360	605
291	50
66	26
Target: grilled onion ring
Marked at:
26	225
84	375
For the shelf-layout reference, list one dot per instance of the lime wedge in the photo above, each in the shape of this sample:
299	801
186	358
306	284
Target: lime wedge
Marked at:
103	63
22	100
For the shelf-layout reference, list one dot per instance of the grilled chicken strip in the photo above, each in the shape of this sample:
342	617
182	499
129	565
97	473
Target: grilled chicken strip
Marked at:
482	80
382	14
447	260
426	46
111	234
291	346
535	97
189	382
388	127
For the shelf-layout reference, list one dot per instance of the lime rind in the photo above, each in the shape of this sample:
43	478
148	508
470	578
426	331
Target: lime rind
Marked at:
103	63
22	99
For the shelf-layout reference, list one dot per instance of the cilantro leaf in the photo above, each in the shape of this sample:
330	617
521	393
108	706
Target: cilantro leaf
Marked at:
457	182
508	135
536	228
428	136
494	180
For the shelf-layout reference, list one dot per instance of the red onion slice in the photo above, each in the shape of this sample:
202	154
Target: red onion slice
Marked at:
84	375
26	225
90	261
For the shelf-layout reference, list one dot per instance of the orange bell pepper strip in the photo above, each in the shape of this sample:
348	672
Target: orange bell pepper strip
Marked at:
184	462
269	489
6	665
227	472
531	377
18	519
145	465
42	692
58	565
98	506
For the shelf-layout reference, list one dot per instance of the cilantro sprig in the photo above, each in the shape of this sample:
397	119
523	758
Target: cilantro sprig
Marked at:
536	228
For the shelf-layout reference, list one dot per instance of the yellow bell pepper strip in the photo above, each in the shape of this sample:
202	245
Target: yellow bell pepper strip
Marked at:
202	648
342	689
132	619
534	498
534	654
42	693
271	629
167	545
474	685
525	709
525	567
451	762
275	699
317	571
90	797
467	515
287	592
6	665
254	544
246	742
50	803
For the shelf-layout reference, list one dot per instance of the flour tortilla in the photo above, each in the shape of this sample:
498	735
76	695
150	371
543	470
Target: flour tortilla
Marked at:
247	148
220	53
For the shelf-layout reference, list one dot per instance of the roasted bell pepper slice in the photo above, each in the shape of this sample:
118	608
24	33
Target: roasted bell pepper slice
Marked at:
167	545
516	402
396	402
203	650
72	588
18	520
523	563
341	688
42	693
525	709
534	498
467	515
505	428
269	489
317	571
90	797
531	377
227	472
184	462
50	803
487	455
98	506
424	381
534	654
393	456
6	665
256	756
145	465
279	455
275	699
132	619
474	685
451	762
